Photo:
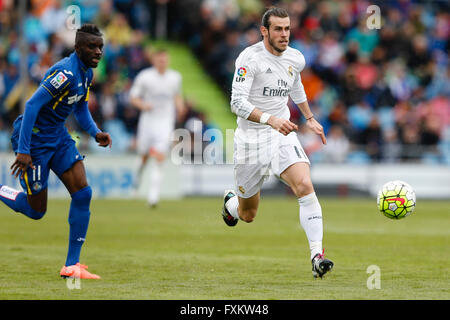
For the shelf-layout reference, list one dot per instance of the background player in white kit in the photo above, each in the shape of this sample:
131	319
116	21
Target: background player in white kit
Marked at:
266	74
156	92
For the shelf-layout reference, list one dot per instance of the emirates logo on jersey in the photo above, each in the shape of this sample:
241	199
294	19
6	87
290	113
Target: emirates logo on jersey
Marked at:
275	92
281	91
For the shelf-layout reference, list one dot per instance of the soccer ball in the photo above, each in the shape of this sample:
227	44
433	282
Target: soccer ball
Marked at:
396	199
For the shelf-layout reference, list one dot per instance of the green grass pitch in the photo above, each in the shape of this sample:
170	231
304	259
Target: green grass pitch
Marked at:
183	250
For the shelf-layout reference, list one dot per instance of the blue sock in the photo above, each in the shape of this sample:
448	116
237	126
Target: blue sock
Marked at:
18	201
78	220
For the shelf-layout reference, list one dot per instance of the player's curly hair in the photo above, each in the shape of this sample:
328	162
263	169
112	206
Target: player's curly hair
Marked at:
273	11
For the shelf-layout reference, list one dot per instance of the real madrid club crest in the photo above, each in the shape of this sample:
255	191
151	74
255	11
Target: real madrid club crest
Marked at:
291	71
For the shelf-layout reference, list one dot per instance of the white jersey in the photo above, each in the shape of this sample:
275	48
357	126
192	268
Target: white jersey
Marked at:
159	90
266	81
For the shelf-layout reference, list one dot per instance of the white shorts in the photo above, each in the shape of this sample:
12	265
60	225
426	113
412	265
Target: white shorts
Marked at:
149	138
276	157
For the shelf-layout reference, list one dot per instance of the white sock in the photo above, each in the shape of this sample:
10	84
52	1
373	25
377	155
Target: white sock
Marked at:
155	183
311	221
232	206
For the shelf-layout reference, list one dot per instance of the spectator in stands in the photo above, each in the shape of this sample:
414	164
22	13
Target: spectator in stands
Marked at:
372	139
391	148
338	145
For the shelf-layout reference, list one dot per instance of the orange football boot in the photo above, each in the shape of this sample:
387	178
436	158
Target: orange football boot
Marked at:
77	271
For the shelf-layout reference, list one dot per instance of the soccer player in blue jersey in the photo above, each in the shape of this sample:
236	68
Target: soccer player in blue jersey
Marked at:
41	142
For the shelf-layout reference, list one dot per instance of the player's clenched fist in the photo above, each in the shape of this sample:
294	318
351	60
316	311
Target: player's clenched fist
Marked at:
103	139
282	125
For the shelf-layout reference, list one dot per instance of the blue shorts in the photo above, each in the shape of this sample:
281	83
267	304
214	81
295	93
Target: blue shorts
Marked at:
56	152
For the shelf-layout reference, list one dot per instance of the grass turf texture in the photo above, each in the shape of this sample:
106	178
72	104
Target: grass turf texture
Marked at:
183	250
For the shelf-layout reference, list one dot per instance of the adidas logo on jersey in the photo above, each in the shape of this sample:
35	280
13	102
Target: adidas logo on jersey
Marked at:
268	70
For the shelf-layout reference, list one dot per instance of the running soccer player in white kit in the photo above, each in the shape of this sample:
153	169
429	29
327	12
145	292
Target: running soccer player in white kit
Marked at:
156	92
267	73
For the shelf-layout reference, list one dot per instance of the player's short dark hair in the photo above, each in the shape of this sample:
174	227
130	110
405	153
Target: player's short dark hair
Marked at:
87	28
90	28
273	11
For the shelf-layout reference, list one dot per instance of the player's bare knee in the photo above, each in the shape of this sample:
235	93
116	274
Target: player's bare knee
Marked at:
77	186
302	187
80	184
247	215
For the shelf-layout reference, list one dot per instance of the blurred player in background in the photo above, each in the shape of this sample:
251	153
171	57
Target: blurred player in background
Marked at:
41	142
267	73
157	93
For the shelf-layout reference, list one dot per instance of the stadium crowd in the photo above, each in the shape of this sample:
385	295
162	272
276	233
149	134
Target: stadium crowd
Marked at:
381	95
126	26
